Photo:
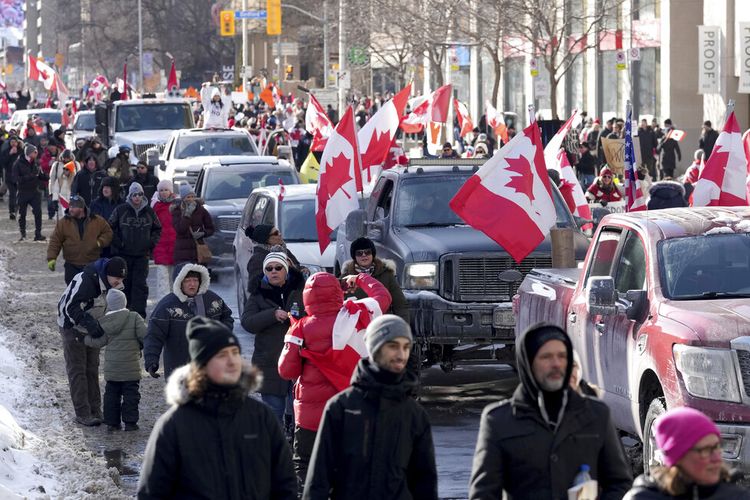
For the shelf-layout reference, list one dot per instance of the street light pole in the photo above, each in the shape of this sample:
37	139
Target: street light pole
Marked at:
342	58
140	48
325	44
244	49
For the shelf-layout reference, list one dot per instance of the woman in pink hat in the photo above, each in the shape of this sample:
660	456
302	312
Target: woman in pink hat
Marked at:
690	444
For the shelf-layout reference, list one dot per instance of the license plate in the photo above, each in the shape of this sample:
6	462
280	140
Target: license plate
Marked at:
503	318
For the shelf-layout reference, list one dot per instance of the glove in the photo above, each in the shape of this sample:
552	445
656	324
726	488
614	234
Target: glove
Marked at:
51	264
197	234
152	371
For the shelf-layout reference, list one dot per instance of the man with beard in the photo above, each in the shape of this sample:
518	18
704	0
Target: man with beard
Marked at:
534	444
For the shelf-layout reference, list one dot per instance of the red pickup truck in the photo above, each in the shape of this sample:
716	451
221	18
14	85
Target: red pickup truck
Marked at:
660	315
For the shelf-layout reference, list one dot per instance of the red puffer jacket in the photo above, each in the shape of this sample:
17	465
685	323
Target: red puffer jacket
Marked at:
163	251
323	299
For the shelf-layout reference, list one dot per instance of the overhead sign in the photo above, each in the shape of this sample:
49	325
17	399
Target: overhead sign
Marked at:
249	14
287	49
709	58
744	58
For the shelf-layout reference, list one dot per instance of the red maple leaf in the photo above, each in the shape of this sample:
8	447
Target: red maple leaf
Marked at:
43	74
336	175
523	183
376	151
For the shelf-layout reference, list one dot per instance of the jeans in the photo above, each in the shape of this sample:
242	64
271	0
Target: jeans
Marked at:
34	200
278	404
121	402
586	181
136	288
82	367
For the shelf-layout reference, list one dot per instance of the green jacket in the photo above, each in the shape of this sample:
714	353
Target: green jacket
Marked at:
123	335
385	272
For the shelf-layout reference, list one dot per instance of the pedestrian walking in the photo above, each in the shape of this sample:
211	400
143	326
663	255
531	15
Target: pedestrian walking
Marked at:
61	177
79	308
190	297
308	356
88	180
647	142
215	441
267	315
107	198
119	167
375	440
708	139
192	224
146	179
28	176
9	153
135	233
534	444
690	445
123	336
81	237
164	250
669	151
265	237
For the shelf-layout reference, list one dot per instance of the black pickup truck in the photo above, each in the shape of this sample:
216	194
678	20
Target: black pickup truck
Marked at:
458	282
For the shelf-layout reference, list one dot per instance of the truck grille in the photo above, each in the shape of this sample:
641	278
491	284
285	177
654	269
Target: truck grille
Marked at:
140	149
744	360
228	223
475	279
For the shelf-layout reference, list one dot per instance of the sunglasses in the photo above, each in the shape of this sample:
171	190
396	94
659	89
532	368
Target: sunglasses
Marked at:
606	176
274	268
363	253
136	194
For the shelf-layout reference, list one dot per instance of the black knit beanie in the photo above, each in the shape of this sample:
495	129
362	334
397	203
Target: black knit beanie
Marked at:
362	244
259	233
206	337
537	338
116	267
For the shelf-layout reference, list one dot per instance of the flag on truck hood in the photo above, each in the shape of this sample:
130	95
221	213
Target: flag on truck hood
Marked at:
722	181
514	186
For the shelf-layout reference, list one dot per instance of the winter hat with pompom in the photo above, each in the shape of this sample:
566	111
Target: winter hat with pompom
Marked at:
116	300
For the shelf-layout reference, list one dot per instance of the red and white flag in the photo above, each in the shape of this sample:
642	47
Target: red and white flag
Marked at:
282	190
464	119
64	203
434	108
440	101
98	87
2	84
318	124
4	107
496	121
340	166
377	135
675	134
513	185
172	83
417	119
40	71
723	180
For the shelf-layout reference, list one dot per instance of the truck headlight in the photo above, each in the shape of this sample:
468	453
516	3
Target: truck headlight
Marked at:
708	373
421	275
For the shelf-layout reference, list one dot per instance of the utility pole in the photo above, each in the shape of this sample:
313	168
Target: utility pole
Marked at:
326	62
342	57
244	49
140	48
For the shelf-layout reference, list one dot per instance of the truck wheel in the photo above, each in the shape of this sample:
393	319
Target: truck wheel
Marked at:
657	408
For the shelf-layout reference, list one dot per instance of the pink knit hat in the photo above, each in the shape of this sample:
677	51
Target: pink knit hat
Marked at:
679	429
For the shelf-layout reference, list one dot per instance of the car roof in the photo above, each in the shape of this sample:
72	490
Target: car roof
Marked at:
676	222
165	100
292	191
241	163
36	111
211	131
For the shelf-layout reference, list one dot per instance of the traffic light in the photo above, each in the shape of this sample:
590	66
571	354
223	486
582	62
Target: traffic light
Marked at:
226	22
273	17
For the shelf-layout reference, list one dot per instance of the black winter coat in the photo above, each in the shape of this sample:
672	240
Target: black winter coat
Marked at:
669	150
645	488
7	160
148	182
259	318
223	445
135	233
26	175
255	265
707	141
167	324
87	183
666	194
75	304
374	442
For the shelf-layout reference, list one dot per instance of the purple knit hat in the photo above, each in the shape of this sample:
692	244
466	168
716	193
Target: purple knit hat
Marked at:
679	429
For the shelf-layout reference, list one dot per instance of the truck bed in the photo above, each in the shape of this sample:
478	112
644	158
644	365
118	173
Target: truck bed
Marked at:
545	293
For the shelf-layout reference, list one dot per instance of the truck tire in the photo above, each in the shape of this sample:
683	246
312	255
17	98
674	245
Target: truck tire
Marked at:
656	408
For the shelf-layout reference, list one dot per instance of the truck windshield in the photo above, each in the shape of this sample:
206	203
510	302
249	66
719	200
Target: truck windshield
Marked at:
233	185
165	116
705	266
423	201
297	220
85	121
50	116
190	146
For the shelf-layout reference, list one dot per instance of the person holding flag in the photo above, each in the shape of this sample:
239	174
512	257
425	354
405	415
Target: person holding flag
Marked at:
322	350
635	199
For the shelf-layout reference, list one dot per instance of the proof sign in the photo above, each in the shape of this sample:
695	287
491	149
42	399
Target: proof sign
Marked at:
744	57
709	44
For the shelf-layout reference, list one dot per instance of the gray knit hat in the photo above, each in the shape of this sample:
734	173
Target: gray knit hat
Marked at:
383	329
29	149
116	300
135	188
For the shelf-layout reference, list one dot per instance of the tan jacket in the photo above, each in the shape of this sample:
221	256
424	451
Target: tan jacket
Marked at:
96	235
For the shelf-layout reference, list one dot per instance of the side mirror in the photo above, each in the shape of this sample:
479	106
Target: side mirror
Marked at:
638	308
601	295
355	224
376	230
162	165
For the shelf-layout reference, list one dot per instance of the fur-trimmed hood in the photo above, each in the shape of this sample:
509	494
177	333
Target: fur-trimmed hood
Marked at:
176	391
380	266
205	280
666	194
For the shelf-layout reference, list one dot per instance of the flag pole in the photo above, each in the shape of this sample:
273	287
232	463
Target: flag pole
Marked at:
532	114
730	110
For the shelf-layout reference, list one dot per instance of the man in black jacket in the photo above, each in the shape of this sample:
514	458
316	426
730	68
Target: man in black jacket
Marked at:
534	444
708	139
135	232
28	176
375	440
79	308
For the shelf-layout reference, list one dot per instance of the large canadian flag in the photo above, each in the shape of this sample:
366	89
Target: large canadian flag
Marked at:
464	119
340	166
556	158
509	198
496	121
40	71
378	134
318	124
722	181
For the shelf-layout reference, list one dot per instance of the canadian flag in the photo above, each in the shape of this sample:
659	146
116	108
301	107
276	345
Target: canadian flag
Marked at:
464	120
415	121
722	181
318	124
377	135
556	158
675	134
62	92
496	122
396	157
64	203
513	185
340	166
40	71
434	108
97	87
172	83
